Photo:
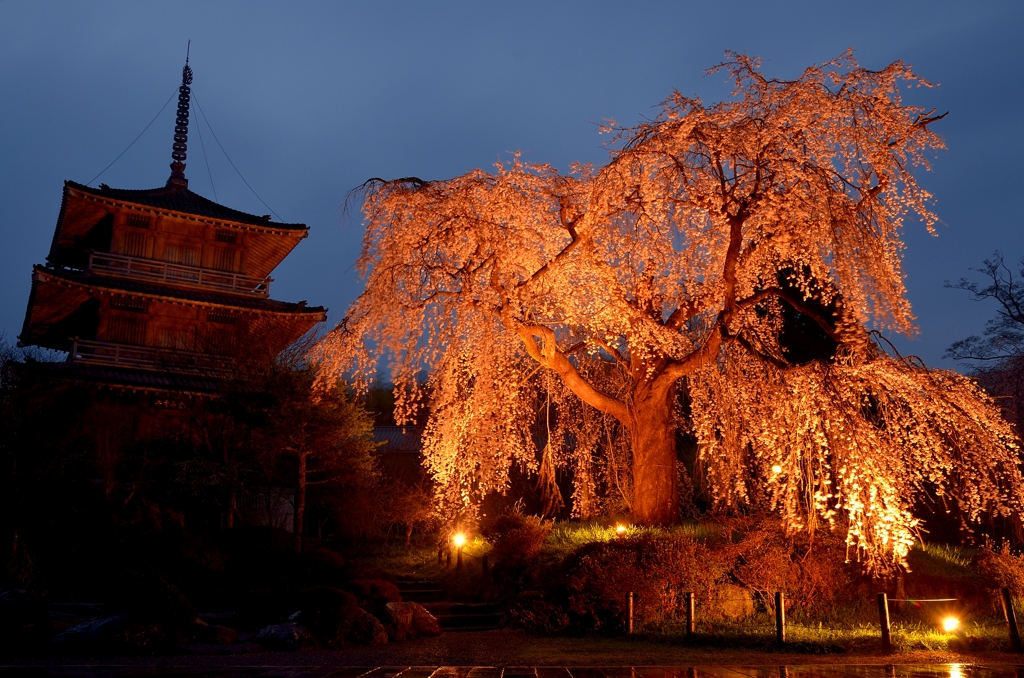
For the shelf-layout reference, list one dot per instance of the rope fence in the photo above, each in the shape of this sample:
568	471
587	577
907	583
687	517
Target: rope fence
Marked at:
780	626
778	607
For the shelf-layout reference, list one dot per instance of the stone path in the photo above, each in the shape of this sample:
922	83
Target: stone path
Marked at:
702	671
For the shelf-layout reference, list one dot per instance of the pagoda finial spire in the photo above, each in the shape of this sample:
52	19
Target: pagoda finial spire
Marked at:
178	179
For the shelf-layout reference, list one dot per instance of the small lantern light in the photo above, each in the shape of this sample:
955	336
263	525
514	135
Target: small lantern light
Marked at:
950	624
620	529
777	469
459	540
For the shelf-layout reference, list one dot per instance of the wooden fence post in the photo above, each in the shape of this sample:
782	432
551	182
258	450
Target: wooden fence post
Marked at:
629	614
780	617
688	603
458	564
883	621
440	554
1011	620
448	558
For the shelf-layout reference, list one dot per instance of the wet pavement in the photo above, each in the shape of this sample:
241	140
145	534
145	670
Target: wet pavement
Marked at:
697	671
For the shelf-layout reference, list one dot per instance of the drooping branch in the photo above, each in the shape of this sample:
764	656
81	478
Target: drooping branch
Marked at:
547	354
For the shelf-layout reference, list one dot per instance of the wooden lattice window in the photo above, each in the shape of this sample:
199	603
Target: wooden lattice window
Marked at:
134	304
179	254
225	236
138	221
224	259
136	244
181	339
126	330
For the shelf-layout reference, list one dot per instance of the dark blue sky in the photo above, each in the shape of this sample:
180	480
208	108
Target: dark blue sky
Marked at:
310	99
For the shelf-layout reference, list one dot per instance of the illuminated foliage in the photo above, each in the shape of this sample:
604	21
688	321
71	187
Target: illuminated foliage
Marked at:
675	266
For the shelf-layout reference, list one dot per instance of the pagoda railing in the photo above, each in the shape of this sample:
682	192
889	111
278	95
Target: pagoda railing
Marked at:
149	358
138	268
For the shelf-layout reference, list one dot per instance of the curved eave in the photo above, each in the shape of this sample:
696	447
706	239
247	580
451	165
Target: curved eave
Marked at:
174	296
296	231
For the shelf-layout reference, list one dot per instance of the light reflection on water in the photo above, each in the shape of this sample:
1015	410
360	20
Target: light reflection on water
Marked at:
256	668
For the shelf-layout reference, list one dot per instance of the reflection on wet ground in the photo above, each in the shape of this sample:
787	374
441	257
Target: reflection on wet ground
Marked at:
699	671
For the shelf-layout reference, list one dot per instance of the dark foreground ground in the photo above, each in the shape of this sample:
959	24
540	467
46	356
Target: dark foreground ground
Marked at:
700	671
519	655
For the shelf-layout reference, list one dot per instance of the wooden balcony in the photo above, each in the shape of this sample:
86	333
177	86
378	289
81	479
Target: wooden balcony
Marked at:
149	358
151	270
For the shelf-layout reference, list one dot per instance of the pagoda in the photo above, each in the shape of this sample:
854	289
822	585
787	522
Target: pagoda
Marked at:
161	289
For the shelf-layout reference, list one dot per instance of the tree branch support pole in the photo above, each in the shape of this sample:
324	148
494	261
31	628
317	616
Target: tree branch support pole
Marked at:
458	562
883	621
689	606
440	554
447	559
1011	620
629	612
780	617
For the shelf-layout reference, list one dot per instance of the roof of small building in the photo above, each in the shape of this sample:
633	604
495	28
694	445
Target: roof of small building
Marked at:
177	199
398	438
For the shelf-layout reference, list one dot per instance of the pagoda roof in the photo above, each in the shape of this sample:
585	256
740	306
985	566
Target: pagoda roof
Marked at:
183	201
174	294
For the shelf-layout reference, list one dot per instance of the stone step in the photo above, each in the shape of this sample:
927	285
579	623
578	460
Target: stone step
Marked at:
449	607
452	616
423	597
425	586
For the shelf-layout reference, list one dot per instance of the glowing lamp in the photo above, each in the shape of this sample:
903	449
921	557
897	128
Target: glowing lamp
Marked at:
776	469
950	624
459	540
620	529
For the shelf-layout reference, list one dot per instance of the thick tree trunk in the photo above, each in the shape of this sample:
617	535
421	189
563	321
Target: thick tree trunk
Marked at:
300	504
655	480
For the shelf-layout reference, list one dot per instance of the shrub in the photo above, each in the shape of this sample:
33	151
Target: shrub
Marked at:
322	566
517	539
1004	568
812	574
657	570
329	613
374	595
364	571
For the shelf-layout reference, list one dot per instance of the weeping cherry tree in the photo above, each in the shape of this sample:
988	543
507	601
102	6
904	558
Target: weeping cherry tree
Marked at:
653	294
